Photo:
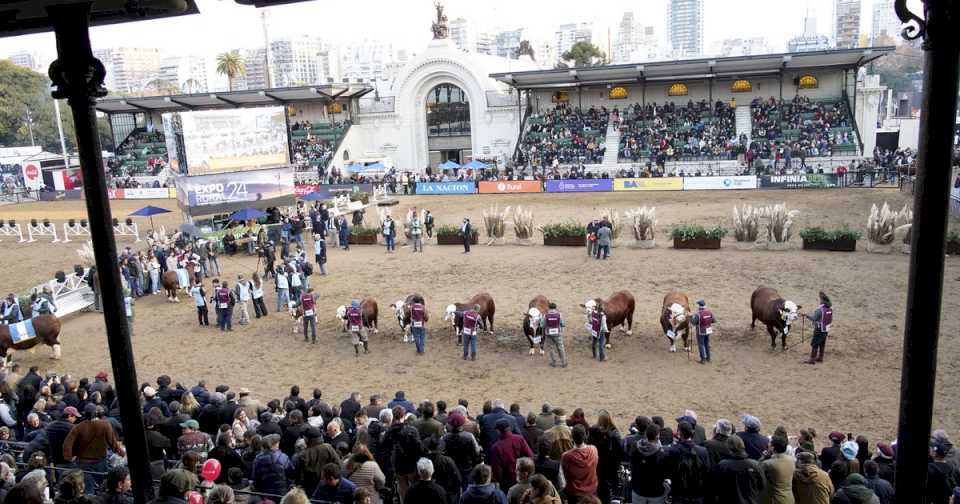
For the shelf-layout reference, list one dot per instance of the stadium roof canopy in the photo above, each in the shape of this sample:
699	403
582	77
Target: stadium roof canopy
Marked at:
686	69
232	99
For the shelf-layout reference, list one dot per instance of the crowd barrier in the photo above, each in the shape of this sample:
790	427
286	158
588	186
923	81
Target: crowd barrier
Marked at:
74	228
12	228
45	228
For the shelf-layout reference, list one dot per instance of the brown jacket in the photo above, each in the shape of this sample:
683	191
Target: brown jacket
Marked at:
811	485
89	441
778	470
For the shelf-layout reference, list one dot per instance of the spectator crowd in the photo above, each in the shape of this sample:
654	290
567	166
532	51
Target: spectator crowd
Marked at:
565	135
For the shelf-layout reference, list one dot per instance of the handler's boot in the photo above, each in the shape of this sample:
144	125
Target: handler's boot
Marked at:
356	350
820	356
813	357
366	347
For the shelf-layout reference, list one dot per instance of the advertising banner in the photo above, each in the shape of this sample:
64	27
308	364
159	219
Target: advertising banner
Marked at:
229	192
240	139
803	181
328	191
587	185
446	188
510	186
648	184
719	183
146	193
114	193
31	175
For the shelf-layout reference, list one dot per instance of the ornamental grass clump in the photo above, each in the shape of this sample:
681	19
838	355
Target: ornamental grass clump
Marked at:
494	221
616	224
780	223
882	224
746	223
644	222
523	225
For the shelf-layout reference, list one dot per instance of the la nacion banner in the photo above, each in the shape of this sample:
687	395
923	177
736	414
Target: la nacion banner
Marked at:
648	184
434	188
585	185
719	183
510	186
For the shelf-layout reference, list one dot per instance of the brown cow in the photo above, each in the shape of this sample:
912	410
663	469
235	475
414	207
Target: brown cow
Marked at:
619	309
454	313
170	284
402	311
368	312
533	321
47	329
771	309
673	319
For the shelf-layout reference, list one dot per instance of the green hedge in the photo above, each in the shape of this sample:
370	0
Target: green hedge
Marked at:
687	232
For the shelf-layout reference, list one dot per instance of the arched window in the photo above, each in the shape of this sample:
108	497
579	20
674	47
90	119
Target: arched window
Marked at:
448	111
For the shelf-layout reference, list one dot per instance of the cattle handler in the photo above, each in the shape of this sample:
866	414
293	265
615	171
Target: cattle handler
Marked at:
358	333
554	324
822	319
703	321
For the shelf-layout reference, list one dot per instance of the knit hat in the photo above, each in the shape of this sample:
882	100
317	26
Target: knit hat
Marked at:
687	418
836	437
190	424
884	450
456	420
355	303
701	302
849	450
70	411
724	427
751	422
176	482
102	375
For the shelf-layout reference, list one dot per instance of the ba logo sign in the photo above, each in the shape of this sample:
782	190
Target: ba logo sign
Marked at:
631	184
727	182
501	187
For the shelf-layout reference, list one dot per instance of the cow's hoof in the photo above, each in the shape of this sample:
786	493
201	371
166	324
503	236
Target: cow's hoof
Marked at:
608	345
673	349
629	333
541	351
532	351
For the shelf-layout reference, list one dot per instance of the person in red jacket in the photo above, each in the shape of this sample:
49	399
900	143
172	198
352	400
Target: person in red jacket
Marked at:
504	455
579	466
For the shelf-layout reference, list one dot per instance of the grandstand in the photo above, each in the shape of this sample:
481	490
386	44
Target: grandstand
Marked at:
141	154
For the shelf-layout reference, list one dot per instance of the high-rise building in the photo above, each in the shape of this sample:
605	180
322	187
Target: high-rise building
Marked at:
569	34
294	61
366	60
741	47
508	43
634	41
486	43
129	69
26	60
461	35
186	73
255	66
886	24
685	27
847	23
810	40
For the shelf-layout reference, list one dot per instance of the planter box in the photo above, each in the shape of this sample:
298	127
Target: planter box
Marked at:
845	245
565	241
746	245
953	248
876	248
697	243
455	239
778	246
363	239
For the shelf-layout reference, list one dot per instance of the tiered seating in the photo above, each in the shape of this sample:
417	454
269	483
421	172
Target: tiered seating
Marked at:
140	154
314	144
808	128
565	134
666	132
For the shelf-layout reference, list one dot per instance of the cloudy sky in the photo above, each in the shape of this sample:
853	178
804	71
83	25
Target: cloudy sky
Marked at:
224	25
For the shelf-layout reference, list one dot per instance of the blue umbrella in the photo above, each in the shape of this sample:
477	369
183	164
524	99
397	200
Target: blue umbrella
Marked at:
314	196
149	211
247	214
449	165
475	165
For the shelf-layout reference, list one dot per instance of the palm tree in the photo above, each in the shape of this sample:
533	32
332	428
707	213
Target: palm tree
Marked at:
232	65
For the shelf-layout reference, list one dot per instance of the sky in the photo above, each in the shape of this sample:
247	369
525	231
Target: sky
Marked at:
223	24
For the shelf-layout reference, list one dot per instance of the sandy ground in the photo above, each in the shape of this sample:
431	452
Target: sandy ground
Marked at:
855	390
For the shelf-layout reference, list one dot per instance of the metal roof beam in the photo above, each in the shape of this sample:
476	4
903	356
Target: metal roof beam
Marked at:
232	103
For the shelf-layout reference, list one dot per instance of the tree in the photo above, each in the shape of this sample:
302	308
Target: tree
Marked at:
24	100
585	54
526	49
898	69
161	87
232	65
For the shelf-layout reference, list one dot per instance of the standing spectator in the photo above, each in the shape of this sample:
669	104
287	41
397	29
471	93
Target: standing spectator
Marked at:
193	439
884	459
778	471
214	261
334	487
199	299
604	239
754	442
243	293
738	478
88	443
579	466
428	223
343	230
282	286
942	477
855	491
811	485
482	491
117	487
57	432
606	438
717	448
689	468
320	252
460	446
505	453
881	487
424	490
648	469
270	468
364	472
466	232
416	233
175	484
389	230
531	432
256	292
524	471
831	453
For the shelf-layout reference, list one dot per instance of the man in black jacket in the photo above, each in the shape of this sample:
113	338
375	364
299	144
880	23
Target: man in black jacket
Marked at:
717	448
689	467
648	466
57	432
424	490
209	417
737	479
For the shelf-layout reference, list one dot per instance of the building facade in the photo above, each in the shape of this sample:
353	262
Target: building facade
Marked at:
685	27
569	34
508	43
886	26
186	73
26	60
295	61
635	42
847	23
742	47
129	69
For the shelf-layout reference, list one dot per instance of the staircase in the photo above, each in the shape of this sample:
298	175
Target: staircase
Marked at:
612	146
744	121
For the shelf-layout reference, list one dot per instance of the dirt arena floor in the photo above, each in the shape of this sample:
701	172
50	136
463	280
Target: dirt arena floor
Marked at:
855	390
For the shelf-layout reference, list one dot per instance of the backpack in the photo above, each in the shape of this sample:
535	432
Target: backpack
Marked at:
688	477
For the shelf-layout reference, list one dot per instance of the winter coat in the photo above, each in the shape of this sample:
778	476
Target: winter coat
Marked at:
778	470
648	469
854	491
579	467
488	427
483	494
737	480
503	458
754	443
811	485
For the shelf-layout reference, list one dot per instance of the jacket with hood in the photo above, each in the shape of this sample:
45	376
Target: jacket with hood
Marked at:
778	470
737	479
579	467
648	469
483	494
811	485
855	491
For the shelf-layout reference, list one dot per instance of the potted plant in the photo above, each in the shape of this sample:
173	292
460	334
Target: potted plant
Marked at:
362	235
494	223
882	226
746	226
644	224
361	197
694	236
566	234
953	243
779	226
523	226
904	228
450	235
838	240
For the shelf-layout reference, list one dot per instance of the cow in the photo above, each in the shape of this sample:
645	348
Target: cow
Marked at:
619	309
402	311
454	313
770	308
368	311
28	334
673	319
533	321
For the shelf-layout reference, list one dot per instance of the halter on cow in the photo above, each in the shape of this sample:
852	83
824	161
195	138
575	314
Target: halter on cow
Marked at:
454	313
534	322
776	313
619	309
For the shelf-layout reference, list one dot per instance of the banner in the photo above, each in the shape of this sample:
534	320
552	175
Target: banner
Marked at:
734	182
31	175
446	188
587	185
229	192
510	186
230	140
328	191
811	180
146	193
648	184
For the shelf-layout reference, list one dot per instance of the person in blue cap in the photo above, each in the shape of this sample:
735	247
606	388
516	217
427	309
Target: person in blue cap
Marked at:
355	326
703	320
